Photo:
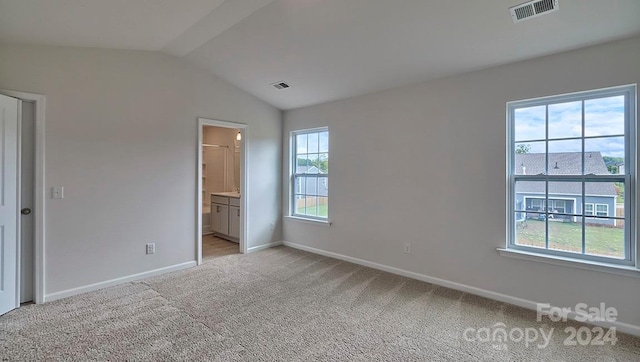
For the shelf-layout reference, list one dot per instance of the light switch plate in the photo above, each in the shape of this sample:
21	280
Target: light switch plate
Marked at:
57	192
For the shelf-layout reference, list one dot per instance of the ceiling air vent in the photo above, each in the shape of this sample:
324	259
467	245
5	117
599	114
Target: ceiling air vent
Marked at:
280	85
532	9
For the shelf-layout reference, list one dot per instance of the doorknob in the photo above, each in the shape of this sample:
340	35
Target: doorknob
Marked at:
25	211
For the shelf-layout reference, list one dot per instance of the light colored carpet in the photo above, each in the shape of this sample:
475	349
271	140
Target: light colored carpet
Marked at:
280	304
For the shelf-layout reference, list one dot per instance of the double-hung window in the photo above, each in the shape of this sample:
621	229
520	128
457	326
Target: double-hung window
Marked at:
571	175
602	210
588	210
310	175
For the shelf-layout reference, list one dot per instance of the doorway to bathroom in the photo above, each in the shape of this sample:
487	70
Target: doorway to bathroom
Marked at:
221	188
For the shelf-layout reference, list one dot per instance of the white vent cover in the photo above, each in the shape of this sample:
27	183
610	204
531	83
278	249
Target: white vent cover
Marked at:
280	85
532	9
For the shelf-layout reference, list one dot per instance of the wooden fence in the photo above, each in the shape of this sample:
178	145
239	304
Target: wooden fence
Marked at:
310	201
620	213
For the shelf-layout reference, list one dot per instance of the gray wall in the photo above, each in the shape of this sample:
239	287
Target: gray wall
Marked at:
121	137
426	164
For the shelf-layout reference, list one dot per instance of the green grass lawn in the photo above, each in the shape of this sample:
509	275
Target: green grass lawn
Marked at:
321	210
565	236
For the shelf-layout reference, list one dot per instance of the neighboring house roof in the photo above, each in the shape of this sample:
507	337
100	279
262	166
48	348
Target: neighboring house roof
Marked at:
563	163
312	187
307	169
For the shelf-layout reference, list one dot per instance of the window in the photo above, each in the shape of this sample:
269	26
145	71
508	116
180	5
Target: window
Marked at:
537	204
557	206
567	157
602	210
588	210
310	179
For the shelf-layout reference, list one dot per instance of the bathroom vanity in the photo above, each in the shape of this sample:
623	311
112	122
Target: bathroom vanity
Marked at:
225	215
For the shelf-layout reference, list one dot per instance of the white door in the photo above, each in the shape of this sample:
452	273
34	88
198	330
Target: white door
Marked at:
8	203
27	180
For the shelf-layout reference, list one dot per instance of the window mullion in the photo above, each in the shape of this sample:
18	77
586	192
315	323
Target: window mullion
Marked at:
546	181
584	197
630	231
583	183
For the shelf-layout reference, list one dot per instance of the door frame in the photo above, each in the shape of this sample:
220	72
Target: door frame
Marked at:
39	190
244	147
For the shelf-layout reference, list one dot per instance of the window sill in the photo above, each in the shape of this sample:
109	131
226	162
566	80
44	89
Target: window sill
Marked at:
628	271
326	223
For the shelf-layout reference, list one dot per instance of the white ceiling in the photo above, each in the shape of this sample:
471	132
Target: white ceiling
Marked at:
325	49
121	24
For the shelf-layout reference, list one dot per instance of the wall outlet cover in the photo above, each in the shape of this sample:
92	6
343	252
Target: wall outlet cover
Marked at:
407	248
151	248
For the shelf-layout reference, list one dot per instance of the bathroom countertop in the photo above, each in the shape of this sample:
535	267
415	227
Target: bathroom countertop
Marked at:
227	194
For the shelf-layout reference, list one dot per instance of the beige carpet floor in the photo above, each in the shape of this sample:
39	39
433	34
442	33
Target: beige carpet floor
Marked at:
281	304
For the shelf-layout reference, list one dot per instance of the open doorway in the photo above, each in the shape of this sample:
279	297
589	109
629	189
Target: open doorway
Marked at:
221	188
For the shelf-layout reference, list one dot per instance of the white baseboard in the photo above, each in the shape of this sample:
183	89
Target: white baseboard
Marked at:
109	283
263	246
524	303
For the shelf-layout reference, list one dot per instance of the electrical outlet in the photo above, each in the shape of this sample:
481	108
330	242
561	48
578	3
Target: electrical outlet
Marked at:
151	248
407	248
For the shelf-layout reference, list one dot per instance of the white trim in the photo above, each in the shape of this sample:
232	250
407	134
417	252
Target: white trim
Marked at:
524	303
109	283
18	263
39	185
628	271
632	252
264	246
326	223
293	166
199	195
244	189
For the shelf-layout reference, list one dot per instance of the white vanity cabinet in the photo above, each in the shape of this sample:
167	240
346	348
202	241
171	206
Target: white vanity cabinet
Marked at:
225	216
234	218
220	215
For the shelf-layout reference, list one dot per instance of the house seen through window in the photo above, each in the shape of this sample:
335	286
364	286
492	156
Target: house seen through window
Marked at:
570	175
310	165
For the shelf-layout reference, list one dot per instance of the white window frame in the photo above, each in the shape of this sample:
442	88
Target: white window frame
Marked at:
554	202
606	212
543	202
593	210
294	176
537	200
629	177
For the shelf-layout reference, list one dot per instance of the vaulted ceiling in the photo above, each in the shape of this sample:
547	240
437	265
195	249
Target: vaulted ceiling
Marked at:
325	49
